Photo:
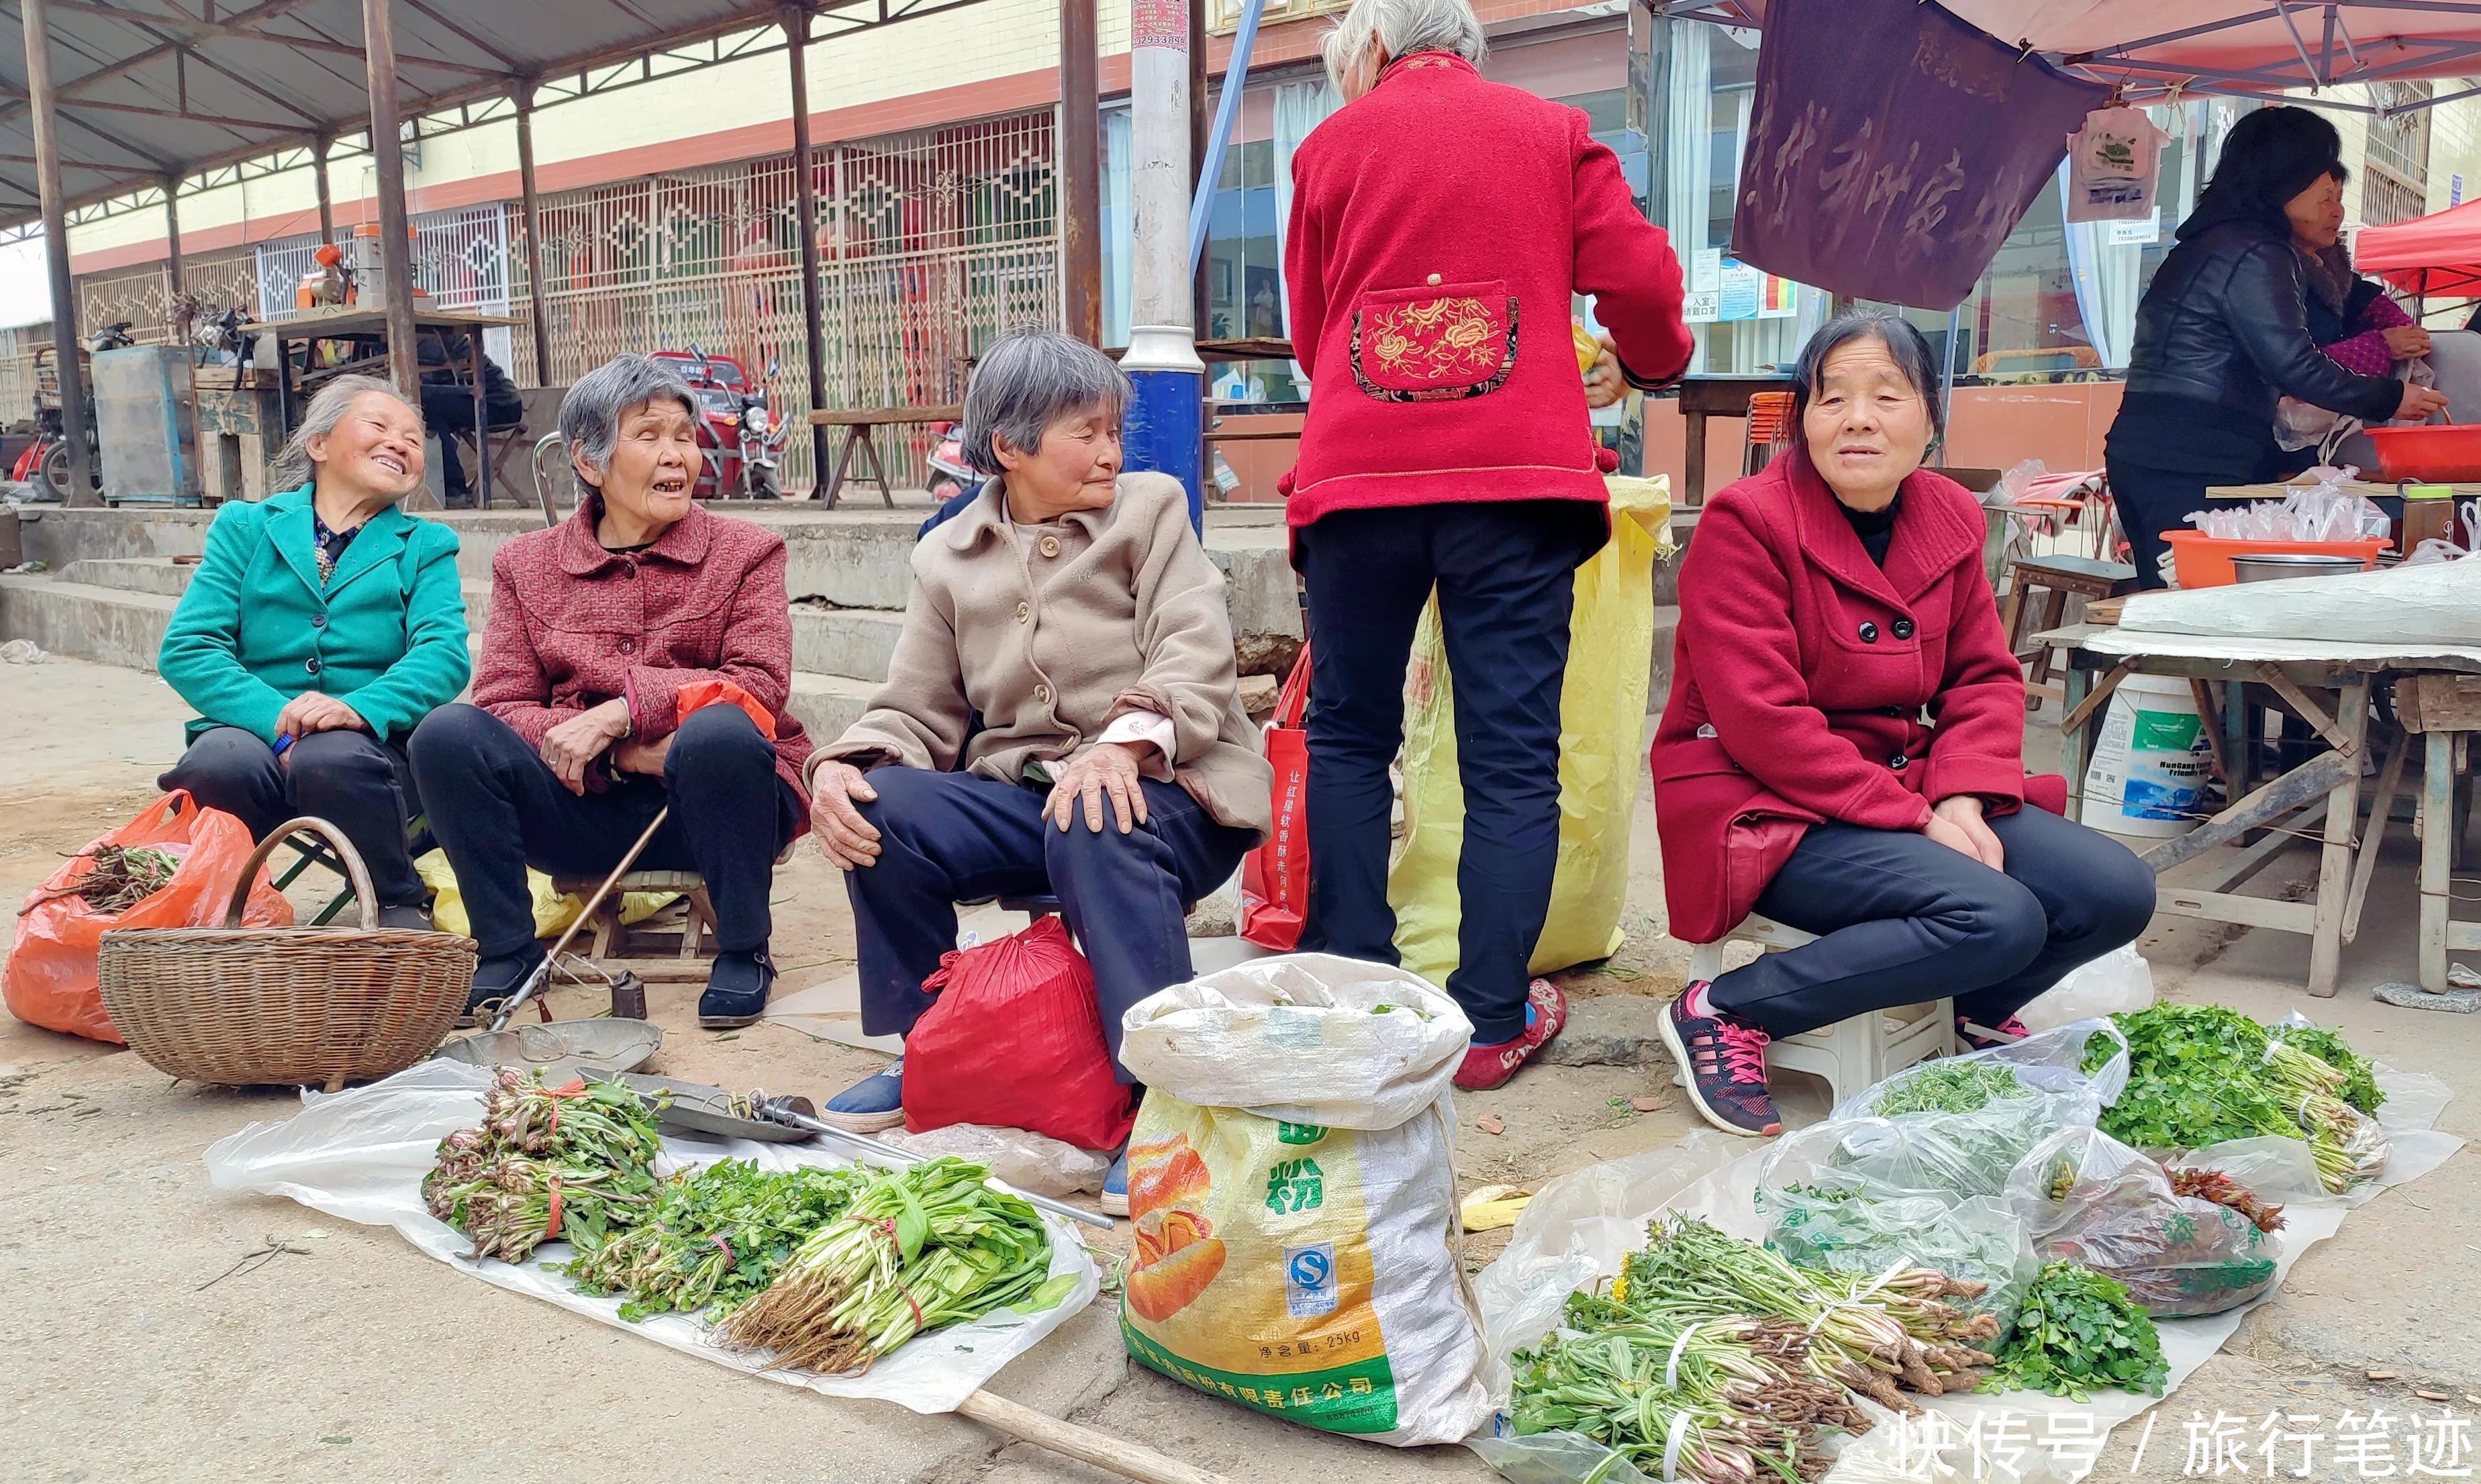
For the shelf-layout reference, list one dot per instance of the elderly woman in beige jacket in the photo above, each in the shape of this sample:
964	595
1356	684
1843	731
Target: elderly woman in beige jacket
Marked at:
1071	612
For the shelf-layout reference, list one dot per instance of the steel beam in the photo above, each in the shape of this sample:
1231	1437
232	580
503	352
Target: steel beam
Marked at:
530	210
379	41
1081	173
805	193
172	237
43	100
319	148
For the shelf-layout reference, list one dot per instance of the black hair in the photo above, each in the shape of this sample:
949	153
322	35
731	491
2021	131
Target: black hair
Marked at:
1905	343
2272	155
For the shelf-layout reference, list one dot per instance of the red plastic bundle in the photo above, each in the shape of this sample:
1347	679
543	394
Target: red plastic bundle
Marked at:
1015	1041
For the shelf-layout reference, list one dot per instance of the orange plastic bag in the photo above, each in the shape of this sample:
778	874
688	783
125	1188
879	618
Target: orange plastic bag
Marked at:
50	980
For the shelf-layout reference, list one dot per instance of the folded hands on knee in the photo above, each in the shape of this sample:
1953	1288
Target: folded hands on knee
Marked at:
845	837
313	711
1957	823
571	747
1106	769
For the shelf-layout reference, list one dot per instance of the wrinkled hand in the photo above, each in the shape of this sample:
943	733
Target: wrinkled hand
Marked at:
2418	401
643	757
845	837
571	747
1604	384
312	712
1957	823
1109	768
2405	340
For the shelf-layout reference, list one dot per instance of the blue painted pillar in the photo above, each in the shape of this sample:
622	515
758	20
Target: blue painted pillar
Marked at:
1163	430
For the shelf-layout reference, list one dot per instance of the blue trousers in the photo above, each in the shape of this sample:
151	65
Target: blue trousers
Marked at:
1505	577
946	838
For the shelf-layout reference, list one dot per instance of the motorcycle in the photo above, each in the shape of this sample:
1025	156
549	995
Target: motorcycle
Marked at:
738	431
950	474
46	460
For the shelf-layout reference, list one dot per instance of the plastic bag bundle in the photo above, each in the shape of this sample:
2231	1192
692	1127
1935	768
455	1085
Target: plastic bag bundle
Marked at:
2089	1199
2323	512
2118	982
1960	1124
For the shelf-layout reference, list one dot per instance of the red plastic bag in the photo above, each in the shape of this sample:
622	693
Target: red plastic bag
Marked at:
698	695
50	980
1015	1041
1275	878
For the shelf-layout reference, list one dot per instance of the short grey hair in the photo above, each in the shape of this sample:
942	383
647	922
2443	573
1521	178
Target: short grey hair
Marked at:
589	415
1029	379
1401	28
291	467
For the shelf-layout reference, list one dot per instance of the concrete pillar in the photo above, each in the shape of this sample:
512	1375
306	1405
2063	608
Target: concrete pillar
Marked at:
42	98
396	253
1079	155
1164	427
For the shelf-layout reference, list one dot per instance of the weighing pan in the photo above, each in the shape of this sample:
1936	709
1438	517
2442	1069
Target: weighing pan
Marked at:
561	1047
700	1109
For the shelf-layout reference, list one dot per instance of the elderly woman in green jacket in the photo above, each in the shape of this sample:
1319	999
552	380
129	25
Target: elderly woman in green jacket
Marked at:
321	626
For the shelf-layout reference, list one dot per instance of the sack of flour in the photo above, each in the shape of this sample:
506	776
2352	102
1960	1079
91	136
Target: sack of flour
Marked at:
1291	1187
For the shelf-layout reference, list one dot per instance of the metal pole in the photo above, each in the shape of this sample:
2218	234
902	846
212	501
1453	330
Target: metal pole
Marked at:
1227	108
378	43
319	148
1081	173
41	98
1199	300
172	236
531	210
796	35
1947	379
1164	430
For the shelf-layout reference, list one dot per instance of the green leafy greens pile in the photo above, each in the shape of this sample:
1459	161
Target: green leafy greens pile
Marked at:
1950	1085
713	1238
546	1163
2079	1332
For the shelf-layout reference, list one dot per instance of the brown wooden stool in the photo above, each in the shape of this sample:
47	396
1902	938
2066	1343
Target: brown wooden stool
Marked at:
2055	578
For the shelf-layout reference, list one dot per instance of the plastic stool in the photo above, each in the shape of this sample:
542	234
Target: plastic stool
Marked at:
1849	1055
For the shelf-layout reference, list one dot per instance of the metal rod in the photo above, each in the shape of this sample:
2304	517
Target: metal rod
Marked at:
805	193
1081	173
1227	108
378	41
172	235
777	1110
43	100
540	978
529	214
319	148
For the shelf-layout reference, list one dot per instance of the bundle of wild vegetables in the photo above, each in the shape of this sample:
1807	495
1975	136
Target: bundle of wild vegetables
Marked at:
1861	1226
2218	1187
920	1248
2202	1074
713	1238
1962	1124
2079	1331
121	877
1948	1085
2358	1088
546	1163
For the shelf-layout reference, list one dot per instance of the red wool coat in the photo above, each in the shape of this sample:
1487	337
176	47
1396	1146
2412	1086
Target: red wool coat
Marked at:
573	625
1439	226
1800	680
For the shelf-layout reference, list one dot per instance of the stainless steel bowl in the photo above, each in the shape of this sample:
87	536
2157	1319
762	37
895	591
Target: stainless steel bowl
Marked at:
2274	566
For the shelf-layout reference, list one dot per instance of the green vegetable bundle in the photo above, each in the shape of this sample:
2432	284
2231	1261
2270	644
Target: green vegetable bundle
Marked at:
920	1248
1960	1124
1948	1085
2200	1074
2358	1088
715	1237
1861	1229
2077	1333
574	1162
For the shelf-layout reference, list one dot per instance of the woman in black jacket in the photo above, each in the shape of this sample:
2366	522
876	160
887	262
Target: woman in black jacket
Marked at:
2223	332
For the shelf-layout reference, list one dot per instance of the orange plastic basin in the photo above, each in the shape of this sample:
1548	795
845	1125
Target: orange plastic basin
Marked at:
2202	561
2448	453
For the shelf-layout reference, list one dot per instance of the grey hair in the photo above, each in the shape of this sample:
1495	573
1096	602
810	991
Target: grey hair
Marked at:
1402	27
1029	379
589	415
290	468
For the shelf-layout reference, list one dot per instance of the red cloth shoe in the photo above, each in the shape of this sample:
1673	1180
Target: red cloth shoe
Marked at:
1546	1012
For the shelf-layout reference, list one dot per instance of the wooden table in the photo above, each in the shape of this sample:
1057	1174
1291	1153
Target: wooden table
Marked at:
1705	397
2328	685
858	423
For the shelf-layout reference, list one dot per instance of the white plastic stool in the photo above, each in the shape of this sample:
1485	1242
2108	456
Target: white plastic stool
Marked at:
1849	1055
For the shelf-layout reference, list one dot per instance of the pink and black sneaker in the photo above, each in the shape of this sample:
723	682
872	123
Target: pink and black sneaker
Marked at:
1977	1037
1726	1061
1546	1012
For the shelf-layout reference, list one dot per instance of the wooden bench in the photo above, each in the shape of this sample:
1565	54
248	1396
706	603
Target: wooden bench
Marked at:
858	425
2054	578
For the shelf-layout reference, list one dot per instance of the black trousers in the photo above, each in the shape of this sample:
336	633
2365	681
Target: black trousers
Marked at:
946	838
496	809
1901	919
351	779
449	410
1505	577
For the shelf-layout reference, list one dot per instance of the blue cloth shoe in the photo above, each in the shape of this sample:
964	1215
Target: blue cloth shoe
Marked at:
1116	1186
874	1104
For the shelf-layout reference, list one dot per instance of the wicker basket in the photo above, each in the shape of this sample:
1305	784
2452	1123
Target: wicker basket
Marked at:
295	1006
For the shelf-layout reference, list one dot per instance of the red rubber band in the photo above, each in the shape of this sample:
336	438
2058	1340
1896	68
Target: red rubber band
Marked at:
551	1230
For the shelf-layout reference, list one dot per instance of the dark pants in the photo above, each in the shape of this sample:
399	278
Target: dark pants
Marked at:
1505	577
1901	919
496	809
2151	502
449	411
351	779
946	838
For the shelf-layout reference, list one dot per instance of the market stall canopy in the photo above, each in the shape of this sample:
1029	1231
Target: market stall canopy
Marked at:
150	90
2437	254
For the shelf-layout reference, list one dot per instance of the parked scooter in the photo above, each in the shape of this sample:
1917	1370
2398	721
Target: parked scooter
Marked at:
742	439
46	460
112	337
950	474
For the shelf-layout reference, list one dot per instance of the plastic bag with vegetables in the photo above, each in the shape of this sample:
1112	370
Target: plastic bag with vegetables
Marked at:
1960	1124
2091	1200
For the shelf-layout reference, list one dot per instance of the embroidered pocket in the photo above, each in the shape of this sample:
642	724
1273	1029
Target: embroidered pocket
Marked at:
1434	344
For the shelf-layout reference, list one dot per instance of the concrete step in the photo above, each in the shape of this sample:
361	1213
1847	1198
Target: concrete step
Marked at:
857	644
158	575
86	621
828	704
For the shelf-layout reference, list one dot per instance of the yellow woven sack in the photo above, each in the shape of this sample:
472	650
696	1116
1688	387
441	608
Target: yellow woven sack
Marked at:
553	910
1602	757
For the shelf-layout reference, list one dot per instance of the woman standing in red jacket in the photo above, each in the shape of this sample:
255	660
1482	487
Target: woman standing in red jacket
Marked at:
1843	749
1440	225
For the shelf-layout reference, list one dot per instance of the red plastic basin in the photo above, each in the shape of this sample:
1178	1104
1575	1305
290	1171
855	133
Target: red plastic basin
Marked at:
2446	453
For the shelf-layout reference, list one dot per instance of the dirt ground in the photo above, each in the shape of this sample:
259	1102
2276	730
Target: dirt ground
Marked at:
135	1357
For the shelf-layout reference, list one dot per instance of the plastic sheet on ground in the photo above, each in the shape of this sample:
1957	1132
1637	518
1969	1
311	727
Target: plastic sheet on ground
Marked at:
360	1155
1582	1224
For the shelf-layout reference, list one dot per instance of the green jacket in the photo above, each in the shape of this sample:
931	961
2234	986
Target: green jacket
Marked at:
254	629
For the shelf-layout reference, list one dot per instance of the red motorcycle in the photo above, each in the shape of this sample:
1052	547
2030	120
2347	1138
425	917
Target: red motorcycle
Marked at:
738	433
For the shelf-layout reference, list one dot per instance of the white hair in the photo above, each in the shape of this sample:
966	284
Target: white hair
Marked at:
1398	28
291	465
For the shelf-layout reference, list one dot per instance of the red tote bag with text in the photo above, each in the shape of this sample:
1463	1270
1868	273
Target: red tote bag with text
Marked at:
1275	878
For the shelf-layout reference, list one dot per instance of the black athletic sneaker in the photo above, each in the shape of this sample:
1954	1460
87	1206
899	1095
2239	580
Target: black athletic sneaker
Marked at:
1726	1061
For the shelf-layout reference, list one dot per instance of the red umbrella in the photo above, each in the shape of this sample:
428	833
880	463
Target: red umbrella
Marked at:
2434	255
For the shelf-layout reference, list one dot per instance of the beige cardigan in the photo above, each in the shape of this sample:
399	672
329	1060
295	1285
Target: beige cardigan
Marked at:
1053	633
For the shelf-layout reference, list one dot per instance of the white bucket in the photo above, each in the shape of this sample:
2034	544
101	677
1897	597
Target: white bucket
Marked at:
2151	761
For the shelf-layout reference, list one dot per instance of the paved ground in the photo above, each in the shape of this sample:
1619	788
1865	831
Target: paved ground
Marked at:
363	1360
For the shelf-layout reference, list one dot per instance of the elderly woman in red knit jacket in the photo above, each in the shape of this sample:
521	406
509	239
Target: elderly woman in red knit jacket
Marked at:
577	737
1440	225
1843	748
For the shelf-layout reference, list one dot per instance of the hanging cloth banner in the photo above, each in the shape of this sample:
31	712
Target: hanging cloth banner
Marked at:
2114	163
1894	148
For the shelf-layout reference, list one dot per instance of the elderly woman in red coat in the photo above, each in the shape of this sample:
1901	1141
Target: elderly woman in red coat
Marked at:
1843	749
1440	225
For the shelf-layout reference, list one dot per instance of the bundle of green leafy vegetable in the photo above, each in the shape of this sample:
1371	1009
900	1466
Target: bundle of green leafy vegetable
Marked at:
1950	1085
1851	1227
713	1238
2079	1332
918	1249
2360	1088
1961	1123
574	1161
